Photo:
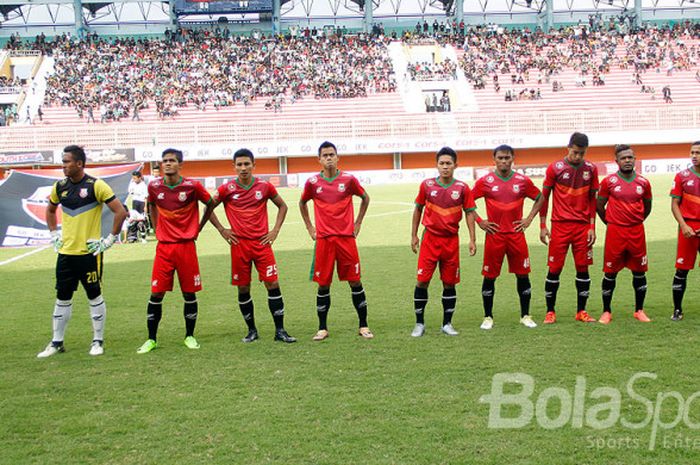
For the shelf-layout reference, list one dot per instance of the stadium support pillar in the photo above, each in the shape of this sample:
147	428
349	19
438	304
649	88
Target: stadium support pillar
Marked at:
549	21
638	13
369	19
276	13
173	16
459	11
79	22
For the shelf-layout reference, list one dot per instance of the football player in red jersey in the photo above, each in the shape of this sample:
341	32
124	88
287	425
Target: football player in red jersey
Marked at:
624	202
573	183
245	201
505	191
444	199
334	231
175	214
685	206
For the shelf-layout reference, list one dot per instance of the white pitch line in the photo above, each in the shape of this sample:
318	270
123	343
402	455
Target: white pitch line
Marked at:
24	255
400	212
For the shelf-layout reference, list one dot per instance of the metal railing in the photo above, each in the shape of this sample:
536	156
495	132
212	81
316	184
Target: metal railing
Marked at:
416	126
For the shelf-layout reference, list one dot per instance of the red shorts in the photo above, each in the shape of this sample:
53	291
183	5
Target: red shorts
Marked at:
172	257
332	249
565	234
687	248
436	249
511	245
249	251
625	246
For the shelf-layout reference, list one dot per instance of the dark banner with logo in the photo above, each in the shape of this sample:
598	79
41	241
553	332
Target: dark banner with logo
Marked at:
36	157
24	196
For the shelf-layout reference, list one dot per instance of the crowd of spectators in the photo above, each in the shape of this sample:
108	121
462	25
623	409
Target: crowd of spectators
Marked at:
445	70
535	58
113	80
116	79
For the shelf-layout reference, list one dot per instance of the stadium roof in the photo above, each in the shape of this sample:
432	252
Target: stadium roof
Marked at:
61	12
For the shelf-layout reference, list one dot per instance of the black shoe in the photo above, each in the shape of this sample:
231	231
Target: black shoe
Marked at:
252	335
677	315
281	335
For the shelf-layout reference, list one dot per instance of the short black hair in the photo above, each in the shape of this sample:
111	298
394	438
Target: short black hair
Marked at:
621	148
325	145
77	152
697	142
176	152
503	148
446	151
578	139
136	173
242	153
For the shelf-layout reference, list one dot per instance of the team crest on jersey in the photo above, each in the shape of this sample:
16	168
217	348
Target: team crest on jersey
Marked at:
516	188
433	193
161	196
566	176
489	179
313	180
560	165
319	189
455	195
182	196
258	195
430	183
618	189
341	187
639	190
586	175
613	180
83	192
686	173
232	187
691	182
494	189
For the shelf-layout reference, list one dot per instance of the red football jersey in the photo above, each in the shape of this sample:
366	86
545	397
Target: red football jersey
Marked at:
625	198
444	205
178	212
505	197
686	186
246	206
333	211
573	190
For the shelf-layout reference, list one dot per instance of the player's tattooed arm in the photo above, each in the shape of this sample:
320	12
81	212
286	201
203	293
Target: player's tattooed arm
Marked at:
417	214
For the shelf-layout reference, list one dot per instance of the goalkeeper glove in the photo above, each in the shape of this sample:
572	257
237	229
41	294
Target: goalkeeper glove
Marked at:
56	240
97	246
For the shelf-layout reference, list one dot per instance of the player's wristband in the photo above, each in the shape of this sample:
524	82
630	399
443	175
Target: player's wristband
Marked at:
479	220
543	223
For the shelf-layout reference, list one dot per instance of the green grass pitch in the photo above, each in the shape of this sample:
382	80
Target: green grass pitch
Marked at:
391	400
